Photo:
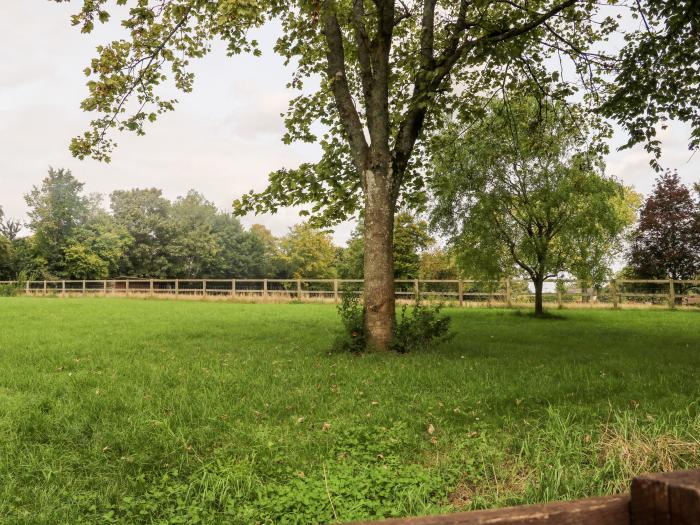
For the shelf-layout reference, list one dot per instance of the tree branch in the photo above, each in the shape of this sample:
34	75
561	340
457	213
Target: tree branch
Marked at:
337	76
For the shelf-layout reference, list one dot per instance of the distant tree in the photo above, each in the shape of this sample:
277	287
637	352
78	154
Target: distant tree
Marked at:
9	228
270	262
666	243
523	188
5	252
438	264
145	214
193	245
350	260
56	209
95	250
596	248
411	237
241	253
308	252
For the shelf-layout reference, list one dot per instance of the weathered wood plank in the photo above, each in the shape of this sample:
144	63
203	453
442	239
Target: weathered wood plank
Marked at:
611	510
666	499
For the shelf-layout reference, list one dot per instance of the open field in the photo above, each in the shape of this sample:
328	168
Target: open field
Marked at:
114	410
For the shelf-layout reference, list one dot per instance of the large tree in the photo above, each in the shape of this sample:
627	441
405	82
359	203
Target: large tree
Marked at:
390	71
525	188
666	243
57	209
145	214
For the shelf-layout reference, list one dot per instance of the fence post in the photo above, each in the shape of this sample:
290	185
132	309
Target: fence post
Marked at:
461	293
233	287
84	287
63	287
104	288
299	289
416	289
509	301
665	499
127	287
44	287
177	287
264	289
335	290
671	294
204	287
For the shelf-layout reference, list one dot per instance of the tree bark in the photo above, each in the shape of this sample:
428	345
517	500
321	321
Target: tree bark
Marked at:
539	285
379	299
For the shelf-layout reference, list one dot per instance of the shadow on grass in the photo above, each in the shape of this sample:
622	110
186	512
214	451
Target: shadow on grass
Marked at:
546	316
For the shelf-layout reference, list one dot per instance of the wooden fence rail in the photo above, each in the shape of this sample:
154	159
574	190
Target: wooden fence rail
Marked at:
507	292
655	499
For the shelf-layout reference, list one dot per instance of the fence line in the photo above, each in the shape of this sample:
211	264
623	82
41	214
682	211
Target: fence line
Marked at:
560	292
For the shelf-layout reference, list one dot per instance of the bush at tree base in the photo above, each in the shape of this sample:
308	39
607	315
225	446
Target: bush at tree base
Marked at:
417	327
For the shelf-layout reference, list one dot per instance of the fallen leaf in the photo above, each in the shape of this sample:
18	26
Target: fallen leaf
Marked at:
431	429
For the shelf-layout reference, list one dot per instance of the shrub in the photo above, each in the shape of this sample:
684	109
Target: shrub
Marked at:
8	290
421	328
352	315
416	328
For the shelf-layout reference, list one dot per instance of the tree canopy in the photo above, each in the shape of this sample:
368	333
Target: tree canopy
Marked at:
666	243
525	189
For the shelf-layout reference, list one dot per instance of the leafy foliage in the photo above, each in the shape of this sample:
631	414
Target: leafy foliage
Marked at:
416	328
352	316
657	77
526	188
420	329
666	243
307	252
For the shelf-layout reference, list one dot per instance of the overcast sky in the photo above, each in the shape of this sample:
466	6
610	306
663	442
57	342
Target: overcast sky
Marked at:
222	140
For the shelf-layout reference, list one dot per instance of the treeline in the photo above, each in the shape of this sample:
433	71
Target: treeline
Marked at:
141	234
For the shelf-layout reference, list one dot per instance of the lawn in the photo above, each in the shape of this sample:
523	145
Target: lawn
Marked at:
157	411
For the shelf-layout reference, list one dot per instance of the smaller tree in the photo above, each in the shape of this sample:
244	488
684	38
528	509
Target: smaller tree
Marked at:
308	252
145	214
666	243
56	209
9	228
524	188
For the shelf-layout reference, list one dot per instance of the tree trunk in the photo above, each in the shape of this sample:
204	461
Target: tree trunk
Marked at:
539	307
380	313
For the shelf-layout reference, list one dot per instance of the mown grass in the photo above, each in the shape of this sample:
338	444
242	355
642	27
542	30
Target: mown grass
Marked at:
117	410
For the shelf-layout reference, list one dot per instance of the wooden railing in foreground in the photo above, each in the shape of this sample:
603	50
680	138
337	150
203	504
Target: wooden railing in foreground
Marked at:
655	499
459	291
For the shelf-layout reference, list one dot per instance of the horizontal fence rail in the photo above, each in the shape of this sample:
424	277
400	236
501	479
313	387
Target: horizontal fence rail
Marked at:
462	292
655	499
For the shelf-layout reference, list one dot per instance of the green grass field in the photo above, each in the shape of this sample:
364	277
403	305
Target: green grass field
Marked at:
147	411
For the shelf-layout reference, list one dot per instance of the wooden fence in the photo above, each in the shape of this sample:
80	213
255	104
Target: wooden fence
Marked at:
655	499
508	292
